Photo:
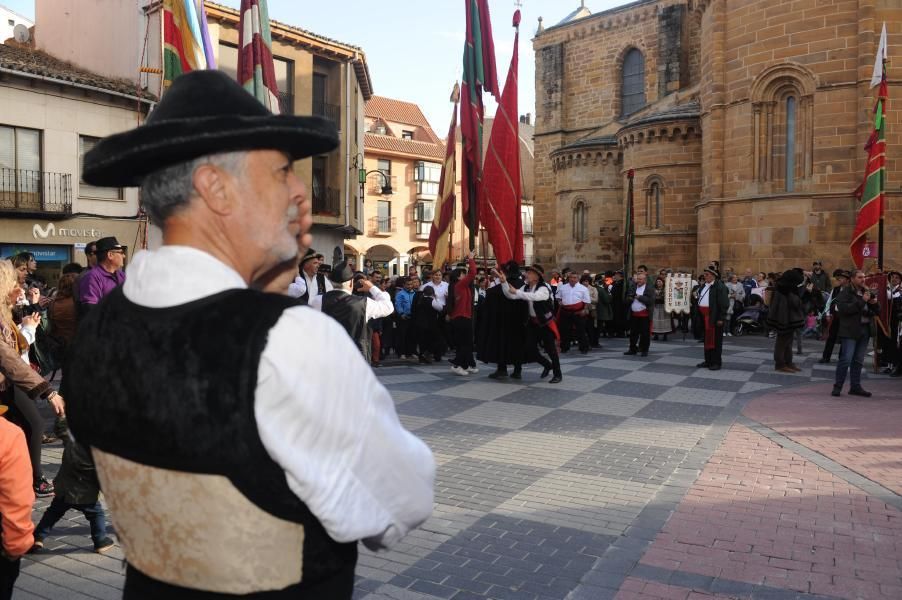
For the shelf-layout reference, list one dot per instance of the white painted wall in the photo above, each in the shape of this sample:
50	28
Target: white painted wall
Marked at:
8	20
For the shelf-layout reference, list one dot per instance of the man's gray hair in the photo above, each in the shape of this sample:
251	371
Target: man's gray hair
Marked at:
166	191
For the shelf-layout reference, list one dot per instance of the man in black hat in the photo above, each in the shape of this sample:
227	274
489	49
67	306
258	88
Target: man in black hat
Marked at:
841	277
106	275
246	429
310	283
542	329
713	302
354	311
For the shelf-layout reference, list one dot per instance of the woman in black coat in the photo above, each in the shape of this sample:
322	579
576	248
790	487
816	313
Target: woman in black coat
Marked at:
785	317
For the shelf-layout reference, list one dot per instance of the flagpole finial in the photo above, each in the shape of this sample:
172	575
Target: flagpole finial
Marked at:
517	18
455	93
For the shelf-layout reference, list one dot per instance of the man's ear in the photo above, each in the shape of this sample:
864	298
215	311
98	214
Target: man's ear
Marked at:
213	185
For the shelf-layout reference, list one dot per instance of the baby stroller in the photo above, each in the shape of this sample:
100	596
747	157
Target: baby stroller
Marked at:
751	320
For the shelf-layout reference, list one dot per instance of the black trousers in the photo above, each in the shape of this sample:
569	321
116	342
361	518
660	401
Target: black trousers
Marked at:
783	349
640	332
573	326
9	572
462	334
714	357
541	335
831	339
23	411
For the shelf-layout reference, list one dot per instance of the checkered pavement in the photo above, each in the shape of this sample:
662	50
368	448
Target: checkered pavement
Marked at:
535	481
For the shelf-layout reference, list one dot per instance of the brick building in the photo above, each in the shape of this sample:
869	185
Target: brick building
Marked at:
743	122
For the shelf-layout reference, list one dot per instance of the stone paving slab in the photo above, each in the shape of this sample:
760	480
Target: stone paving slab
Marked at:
542	491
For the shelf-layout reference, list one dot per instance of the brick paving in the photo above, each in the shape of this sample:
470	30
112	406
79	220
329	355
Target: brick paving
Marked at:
634	478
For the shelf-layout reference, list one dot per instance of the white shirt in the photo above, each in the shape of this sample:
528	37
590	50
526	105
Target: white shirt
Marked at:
540	294
321	413
303	282
637	306
378	305
572	294
441	291
704	296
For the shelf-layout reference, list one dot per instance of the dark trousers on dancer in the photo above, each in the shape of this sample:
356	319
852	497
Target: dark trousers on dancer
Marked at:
23	411
783	349
640	333
9	572
541	335
462	334
713	347
573	325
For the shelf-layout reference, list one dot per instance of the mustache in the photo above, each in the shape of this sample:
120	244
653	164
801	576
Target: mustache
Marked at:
292	213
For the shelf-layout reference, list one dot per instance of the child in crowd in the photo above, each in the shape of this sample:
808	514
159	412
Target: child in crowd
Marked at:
76	488
810	325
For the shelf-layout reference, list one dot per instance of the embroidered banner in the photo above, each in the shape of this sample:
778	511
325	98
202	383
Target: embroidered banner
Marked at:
677	292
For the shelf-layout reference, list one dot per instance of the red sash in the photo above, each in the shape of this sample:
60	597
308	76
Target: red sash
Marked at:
551	325
641	313
574	307
710	330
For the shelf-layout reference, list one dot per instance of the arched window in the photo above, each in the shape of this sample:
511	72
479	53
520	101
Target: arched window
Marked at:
632	90
580	222
653	206
790	157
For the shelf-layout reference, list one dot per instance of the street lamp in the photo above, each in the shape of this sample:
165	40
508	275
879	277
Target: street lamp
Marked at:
362	174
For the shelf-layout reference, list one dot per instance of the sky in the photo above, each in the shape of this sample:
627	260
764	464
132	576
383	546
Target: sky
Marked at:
414	48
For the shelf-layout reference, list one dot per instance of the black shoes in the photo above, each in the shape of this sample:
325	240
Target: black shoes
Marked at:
555	379
837	390
824	361
859	391
630	352
643	354
545	372
105	545
714	367
498	375
517	374
702	365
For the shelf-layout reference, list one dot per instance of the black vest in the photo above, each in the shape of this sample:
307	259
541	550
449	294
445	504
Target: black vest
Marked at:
320	288
350	311
544	308
174	388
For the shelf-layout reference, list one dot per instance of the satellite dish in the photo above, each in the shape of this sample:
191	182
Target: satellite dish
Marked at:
20	33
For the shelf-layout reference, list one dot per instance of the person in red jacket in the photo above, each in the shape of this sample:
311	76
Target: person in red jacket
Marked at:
460	315
16	499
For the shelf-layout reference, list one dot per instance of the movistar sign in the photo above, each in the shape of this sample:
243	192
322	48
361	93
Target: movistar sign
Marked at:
52	231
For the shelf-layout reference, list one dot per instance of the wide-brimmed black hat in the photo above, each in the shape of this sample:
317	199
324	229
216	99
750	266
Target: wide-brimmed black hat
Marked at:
108	243
537	269
713	270
842	273
309	255
341	272
204	112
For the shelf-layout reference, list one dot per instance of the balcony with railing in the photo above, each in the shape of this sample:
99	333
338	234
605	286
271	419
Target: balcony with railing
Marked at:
330	111
326	202
383	225
35	192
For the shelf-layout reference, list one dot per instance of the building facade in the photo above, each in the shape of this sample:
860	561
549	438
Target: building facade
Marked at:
742	123
8	21
315	75
52	114
403	153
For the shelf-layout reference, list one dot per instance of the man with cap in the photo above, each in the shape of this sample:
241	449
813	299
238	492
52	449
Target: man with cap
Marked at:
541	330
310	282
841	277
819	276
713	301
354	311
106	275
243	444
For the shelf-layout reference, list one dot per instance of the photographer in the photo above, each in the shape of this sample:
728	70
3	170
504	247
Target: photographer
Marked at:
855	306
354	311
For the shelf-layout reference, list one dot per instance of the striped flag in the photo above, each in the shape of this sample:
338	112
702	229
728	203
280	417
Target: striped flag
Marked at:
186	39
444	210
871	193
628	228
255	67
479	75
499	202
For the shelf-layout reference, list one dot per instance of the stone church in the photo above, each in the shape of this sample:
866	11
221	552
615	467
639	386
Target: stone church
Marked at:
743	122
